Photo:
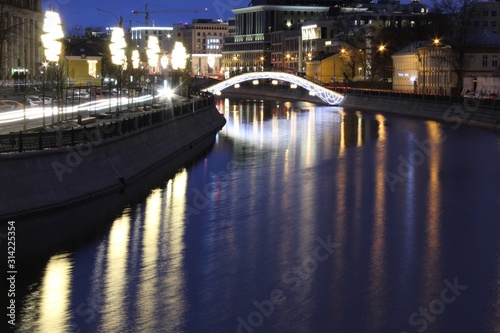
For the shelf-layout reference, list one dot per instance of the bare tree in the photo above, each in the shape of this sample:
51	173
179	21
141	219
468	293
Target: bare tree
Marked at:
461	14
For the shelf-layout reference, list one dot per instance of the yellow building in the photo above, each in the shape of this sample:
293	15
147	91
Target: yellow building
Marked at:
328	68
84	66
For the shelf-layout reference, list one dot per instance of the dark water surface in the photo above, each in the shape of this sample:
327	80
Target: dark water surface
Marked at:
300	219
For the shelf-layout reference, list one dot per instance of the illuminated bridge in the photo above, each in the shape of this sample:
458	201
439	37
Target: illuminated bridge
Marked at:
326	95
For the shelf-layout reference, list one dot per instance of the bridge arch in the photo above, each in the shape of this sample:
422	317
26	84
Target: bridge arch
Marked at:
328	96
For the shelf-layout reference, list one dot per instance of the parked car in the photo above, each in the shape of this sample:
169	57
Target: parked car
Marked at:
7	105
108	94
78	95
34	100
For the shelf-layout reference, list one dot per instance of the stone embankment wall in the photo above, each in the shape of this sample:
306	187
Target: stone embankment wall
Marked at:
271	91
468	112
38	181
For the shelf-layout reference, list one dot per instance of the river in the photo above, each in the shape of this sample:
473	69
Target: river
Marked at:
302	218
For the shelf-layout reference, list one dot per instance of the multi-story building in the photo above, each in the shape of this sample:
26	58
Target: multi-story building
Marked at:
139	37
429	67
20	30
287	33
487	15
202	35
264	32
83	65
204	41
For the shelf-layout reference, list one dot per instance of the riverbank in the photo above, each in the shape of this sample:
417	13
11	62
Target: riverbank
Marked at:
471	112
35	182
467	113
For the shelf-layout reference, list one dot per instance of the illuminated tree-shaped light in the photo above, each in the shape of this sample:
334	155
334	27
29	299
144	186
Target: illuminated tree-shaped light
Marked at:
117	47
164	62
153	51
135	59
179	56
211	61
52	34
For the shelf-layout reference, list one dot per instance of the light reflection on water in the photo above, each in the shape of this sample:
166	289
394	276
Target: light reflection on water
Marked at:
203	248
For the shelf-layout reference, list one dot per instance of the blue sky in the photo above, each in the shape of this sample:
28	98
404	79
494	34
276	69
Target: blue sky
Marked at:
84	13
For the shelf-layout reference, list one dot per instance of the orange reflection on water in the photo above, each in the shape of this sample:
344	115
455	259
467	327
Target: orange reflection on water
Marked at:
378	261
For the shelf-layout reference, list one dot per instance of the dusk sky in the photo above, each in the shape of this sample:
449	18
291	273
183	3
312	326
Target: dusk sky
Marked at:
84	13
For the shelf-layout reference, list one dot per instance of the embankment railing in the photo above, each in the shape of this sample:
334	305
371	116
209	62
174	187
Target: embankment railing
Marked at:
26	141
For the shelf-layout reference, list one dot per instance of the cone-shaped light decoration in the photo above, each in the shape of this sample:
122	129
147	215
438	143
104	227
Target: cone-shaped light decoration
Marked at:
117	47
153	51
179	56
135	59
52	34
164	62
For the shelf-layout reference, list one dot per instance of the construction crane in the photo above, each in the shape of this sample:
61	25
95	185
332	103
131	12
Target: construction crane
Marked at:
147	11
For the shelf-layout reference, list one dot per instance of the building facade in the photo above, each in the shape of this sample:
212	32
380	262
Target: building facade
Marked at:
429	67
204	41
265	34
20	46
487	15
83	65
139	37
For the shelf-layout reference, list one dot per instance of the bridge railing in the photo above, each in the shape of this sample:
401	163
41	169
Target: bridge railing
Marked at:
23	141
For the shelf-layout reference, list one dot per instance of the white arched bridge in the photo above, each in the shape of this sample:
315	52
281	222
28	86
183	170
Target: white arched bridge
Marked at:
326	95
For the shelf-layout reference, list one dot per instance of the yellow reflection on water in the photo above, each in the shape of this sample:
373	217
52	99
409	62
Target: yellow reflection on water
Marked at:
378	261
54	313
116	275
359	141
310	142
342	145
172	251
148	279
432	267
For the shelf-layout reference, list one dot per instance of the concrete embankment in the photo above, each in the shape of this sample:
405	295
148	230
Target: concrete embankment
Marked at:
272	91
468	113
40	181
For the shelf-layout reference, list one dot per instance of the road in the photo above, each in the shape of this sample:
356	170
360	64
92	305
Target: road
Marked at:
33	117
